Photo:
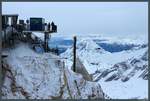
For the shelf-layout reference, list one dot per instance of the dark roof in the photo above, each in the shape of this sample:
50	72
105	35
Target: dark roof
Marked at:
10	15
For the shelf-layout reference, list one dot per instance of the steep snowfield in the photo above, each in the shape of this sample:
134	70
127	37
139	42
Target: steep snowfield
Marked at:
122	65
97	58
88	51
132	89
43	76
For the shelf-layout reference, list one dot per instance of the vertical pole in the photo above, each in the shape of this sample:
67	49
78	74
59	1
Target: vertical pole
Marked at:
12	33
45	41
5	30
46	38
5	37
74	54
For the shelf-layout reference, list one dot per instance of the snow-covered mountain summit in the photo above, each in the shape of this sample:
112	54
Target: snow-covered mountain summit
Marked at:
114	70
88	52
88	45
85	46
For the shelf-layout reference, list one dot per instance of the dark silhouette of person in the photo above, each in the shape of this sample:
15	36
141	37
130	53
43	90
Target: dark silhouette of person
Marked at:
54	27
52	23
49	25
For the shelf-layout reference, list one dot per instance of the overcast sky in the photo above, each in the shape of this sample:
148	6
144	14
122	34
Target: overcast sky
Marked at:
87	17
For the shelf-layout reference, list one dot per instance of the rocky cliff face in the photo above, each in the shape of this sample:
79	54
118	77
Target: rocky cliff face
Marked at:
28	75
126	70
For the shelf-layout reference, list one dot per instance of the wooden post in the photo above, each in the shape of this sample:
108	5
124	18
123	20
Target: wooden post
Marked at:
74	54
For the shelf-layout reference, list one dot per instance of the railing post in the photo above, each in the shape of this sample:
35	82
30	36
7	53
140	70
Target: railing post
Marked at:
74	54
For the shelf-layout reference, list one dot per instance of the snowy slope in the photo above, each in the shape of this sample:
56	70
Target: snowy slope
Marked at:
87	51
43	76
95	57
132	89
125	69
120	72
128	79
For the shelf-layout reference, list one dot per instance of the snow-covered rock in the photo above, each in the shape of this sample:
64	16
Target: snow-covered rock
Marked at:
126	70
29	75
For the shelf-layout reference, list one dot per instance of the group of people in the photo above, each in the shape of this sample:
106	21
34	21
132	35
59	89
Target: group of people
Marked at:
49	27
52	27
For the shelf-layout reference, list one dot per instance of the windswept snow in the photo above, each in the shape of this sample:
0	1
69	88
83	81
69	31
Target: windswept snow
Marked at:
43	76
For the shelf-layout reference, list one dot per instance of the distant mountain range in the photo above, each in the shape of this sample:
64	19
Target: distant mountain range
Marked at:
112	61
